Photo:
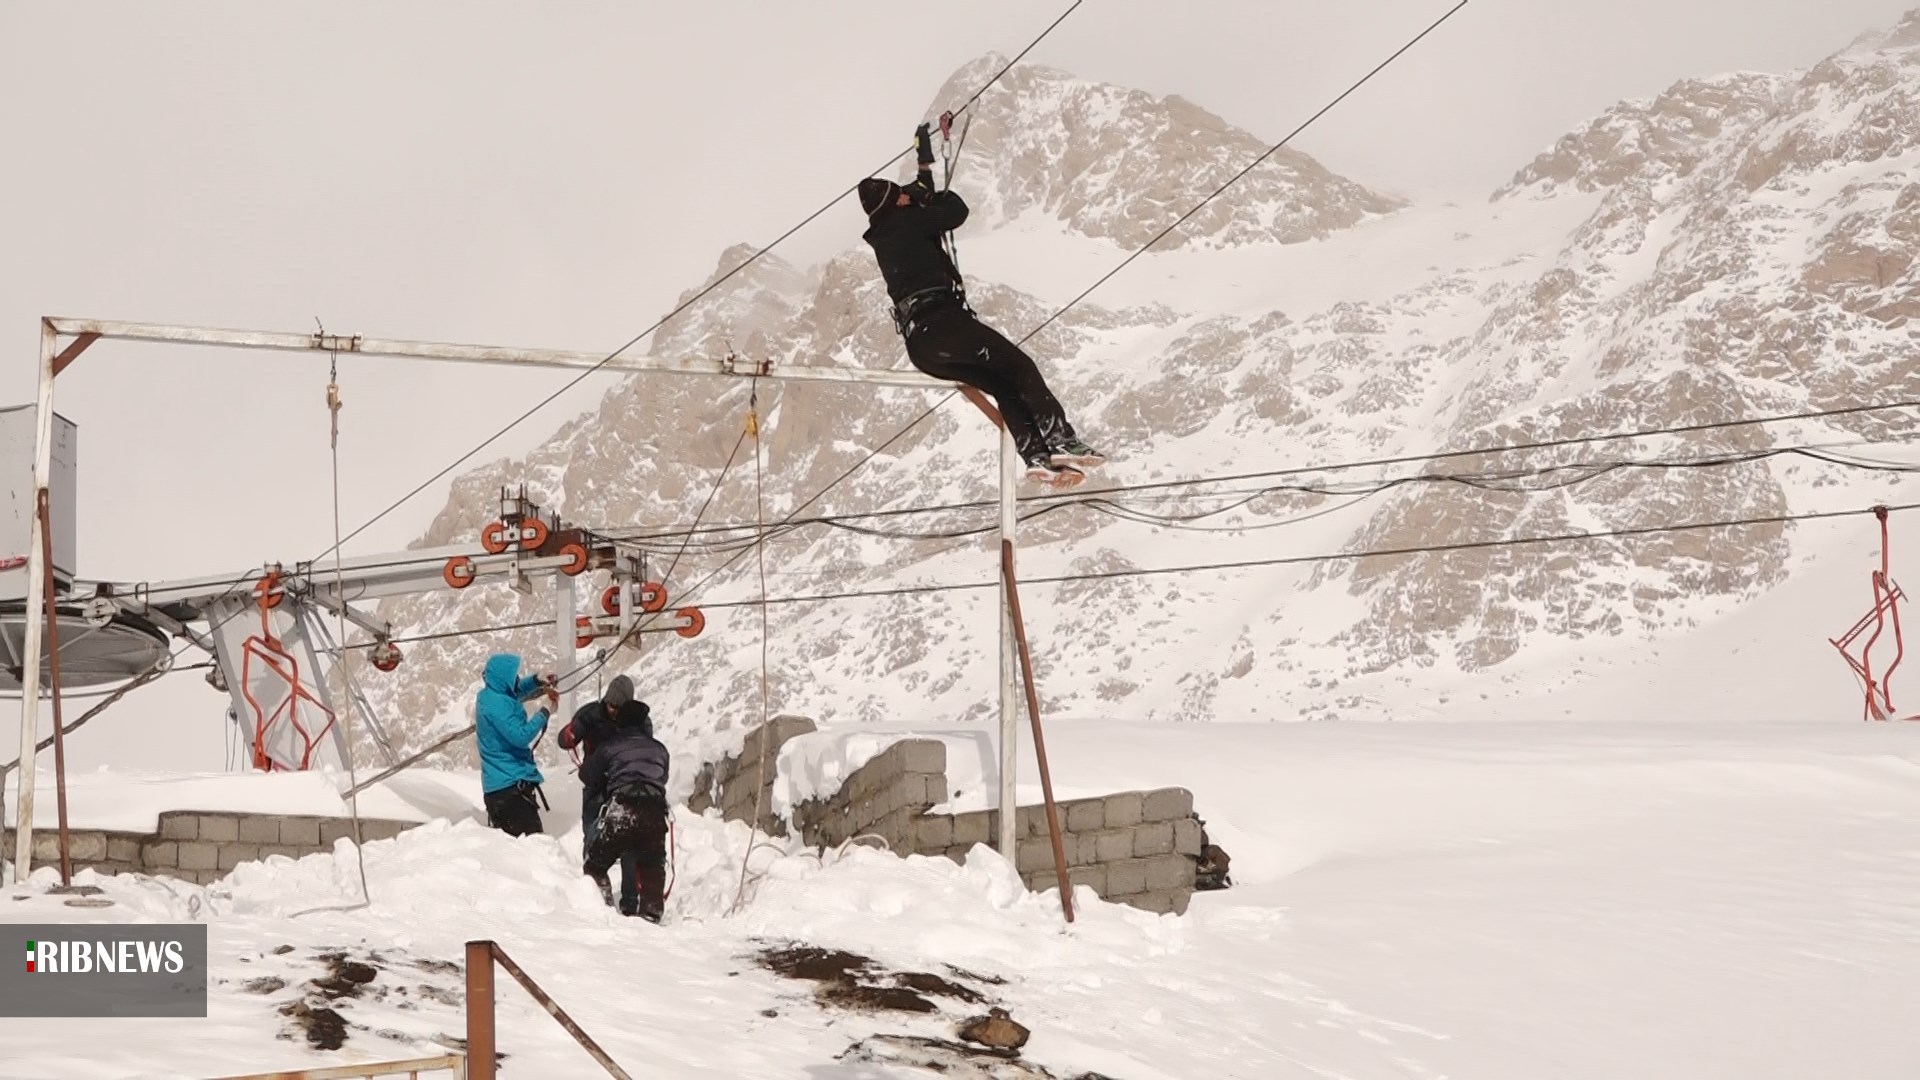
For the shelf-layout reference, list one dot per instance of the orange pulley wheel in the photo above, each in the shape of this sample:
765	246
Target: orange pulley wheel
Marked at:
493	537
533	533
267	592
653	596
385	656
458	572
583	634
610	600
696	622
576	559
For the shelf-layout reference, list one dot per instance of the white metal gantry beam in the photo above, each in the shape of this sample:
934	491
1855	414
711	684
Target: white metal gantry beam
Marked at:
354	344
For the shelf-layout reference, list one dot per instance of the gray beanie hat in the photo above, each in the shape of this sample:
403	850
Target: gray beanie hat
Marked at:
619	692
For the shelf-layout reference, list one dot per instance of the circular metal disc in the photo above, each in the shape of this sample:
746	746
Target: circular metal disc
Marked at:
90	656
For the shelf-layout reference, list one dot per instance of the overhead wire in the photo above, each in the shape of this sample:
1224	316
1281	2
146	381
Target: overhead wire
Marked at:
691	300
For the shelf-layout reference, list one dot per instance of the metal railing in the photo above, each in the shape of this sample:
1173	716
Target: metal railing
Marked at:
410	1068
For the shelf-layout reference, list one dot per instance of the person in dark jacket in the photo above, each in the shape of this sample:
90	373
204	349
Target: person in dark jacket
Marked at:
591	723
627	772
943	337
506	736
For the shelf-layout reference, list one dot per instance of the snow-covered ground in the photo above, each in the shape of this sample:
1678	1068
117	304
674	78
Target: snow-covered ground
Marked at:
1666	898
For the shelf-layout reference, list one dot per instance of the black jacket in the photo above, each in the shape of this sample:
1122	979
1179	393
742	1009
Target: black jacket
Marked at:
624	757
906	243
589	723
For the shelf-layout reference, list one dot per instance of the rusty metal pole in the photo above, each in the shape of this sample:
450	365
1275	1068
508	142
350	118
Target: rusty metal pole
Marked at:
1039	743
53	689
480	1059
560	1015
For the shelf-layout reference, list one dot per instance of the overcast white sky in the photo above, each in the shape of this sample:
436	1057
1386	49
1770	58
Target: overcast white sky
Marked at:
555	175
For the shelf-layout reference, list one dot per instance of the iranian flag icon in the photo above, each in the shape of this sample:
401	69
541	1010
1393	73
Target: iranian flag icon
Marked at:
29	956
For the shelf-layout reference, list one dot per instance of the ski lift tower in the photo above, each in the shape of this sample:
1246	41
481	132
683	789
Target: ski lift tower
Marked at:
80	334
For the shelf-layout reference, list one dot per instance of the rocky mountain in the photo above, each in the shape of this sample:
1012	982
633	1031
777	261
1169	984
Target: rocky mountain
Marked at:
1734	247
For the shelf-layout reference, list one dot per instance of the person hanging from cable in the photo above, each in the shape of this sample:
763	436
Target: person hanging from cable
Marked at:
506	736
592	724
944	338
627	776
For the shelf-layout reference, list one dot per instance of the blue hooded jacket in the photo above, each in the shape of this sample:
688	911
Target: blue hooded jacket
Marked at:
501	726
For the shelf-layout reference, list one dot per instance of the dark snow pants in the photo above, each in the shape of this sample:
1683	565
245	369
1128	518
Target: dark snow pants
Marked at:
947	342
514	810
634	824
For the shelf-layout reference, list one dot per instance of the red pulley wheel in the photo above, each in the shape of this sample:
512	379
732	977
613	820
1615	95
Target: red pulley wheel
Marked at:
583	634
610	600
458	573
533	533
653	596
493	537
696	622
577	559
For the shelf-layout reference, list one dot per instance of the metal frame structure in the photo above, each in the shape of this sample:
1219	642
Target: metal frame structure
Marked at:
82	333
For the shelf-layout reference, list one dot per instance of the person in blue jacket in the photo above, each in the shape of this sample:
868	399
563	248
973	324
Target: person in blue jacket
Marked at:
509	780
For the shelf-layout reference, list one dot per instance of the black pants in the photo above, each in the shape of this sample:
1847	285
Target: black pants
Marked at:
634	825
590	822
949	343
514	810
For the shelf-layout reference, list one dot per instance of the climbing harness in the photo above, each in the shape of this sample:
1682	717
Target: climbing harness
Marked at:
1886	601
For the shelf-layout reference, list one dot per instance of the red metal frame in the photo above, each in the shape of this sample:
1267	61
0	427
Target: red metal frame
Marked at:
273	655
1886	606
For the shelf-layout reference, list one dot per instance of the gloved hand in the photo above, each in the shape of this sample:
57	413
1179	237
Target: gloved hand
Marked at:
921	189
923	145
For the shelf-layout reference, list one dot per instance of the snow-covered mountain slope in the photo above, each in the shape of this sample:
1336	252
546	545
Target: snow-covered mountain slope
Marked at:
1736	247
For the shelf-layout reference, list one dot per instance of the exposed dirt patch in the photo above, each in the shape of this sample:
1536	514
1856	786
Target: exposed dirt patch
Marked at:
265	984
850	981
324	1029
948	1058
344	977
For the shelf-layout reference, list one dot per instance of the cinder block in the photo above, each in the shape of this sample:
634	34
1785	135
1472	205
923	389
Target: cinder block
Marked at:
958	854
1032	856
1186	836
1093	877
1180	901
232	855
1159	903
971	828
269	850
1126	878
1166	804
1030	821
333	830
160	854
87	846
1154	838
176	826
1087	815
46	847
1125	809
1169	872
383	828
1082	849
924	756
124	849
933	790
259	829
300	831
934	831
1112	845
199	855
219	828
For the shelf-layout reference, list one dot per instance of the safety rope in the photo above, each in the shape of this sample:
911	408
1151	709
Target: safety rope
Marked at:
760	521
340	594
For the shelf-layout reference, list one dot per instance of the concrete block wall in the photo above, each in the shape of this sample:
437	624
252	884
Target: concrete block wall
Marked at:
203	847
1136	847
734	784
887	797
